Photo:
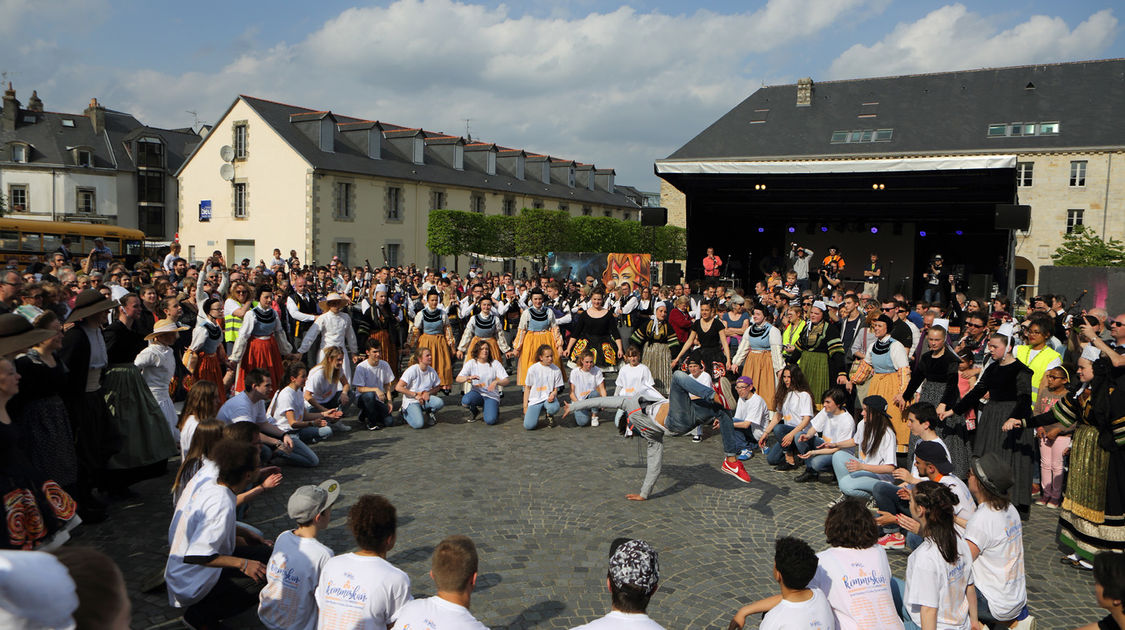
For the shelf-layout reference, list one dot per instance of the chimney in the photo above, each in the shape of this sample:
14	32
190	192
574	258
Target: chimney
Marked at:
11	111
804	92
96	113
33	103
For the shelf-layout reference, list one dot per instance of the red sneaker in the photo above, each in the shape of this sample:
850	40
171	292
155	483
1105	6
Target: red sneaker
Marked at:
893	541
736	469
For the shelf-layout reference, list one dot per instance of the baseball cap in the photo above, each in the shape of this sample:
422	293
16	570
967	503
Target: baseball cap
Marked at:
635	563
307	502
993	473
877	403
745	380
933	453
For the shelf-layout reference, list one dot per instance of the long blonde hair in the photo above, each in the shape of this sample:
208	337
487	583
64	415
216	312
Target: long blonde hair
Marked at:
328	364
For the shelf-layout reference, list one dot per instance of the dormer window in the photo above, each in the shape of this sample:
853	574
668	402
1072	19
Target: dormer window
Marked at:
419	150
150	153
520	162
458	157
490	163
83	157
20	153
67	122
570	176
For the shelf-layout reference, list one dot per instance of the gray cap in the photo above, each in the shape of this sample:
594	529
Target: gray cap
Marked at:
307	502
635	563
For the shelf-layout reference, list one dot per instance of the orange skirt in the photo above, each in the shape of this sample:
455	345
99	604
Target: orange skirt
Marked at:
497	355
529	346
262	353
443	357
208	368
382	339
759	366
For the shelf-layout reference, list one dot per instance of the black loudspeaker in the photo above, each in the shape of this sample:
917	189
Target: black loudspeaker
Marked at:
654	216
980	286
671	273
1011	217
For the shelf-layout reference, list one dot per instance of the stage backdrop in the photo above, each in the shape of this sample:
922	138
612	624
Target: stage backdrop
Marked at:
631	269
1105	286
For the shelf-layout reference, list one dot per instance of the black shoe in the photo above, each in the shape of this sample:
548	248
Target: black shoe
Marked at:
828	478
784	467
374	426
807	476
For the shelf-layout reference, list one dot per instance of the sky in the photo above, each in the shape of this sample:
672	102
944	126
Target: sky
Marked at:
613	84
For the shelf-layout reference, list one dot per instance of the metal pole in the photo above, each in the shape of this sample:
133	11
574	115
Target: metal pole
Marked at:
1012	267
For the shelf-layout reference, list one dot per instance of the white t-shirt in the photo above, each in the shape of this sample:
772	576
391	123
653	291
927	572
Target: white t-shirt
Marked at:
186	434
319	386
914	465
634	380
835	428
238	408
787	615
933	582
703	379
360	593
999	570
965	503
288	399
485	373
435	613
287	601
616	620
378	375
857	583
884	454
753	409
584	383
203	525
415	380
541	379
795	406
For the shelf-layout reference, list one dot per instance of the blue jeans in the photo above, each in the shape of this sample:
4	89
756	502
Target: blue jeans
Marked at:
684	414
301	455
582	417
932	294
816	463
854	484
312	435
373	410
887	500
413	413
775	453
744	439
474	400
531	418
898	592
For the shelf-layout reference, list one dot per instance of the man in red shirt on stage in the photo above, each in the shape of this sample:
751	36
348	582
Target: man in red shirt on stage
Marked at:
711	264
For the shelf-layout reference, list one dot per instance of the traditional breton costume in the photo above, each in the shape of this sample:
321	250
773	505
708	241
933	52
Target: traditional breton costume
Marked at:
209	355
536	328
760	348
434	333
487	329
821	353
887	366
148	441
157	364
260	344
379	326
335	330
596	334
935	379
659	344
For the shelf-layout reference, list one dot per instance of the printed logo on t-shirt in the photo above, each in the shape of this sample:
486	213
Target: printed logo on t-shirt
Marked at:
347	593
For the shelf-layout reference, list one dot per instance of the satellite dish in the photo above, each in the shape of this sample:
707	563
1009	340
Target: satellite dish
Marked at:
226	171
227	153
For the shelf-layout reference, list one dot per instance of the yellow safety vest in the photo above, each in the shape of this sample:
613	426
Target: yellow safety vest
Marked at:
1038	365
792	333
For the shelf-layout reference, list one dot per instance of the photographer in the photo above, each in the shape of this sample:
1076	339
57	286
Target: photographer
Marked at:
935	277
829	275
799	262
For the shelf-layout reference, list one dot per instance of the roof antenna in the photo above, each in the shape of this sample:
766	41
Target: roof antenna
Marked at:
195	119
468	134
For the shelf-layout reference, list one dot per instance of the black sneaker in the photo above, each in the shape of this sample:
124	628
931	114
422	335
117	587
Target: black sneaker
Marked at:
828	477
473	413
784	467
374	426
807	476
697	438
550	421
432	417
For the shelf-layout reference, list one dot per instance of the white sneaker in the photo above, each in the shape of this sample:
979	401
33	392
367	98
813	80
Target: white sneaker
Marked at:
1027	623
594	420
838	499
341	427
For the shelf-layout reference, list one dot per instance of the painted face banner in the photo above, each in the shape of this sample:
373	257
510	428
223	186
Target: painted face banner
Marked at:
622	269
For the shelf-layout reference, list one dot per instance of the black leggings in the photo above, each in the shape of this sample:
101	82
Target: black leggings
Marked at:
233	593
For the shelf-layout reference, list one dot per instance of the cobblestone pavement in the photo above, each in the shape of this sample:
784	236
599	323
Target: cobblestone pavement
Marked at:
543	507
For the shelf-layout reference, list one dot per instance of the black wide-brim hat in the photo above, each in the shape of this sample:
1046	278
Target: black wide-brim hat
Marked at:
89	302
17	334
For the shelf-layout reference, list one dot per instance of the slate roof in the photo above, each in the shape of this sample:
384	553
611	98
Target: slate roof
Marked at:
51	141
947	112
394	164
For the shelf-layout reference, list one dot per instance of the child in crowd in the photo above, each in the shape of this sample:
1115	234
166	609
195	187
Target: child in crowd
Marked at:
633	379
287	602
798	606
701	376
585	382
1109	589
632	579
1053	443
361	589
541	389
454	571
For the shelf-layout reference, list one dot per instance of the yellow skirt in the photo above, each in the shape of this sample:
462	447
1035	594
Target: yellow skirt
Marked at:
759	366
530	345
443	358
497	355
887	386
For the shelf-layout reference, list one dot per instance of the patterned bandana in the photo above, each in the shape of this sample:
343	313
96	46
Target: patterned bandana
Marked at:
635	563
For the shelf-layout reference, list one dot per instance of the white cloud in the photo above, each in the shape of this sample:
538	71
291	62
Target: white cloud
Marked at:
618	89
954	38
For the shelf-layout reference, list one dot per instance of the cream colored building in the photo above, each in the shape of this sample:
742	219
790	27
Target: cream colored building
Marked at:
328	185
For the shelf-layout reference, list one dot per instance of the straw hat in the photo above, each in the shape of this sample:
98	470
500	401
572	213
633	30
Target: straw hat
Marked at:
164	326
333	297
90	302
17	334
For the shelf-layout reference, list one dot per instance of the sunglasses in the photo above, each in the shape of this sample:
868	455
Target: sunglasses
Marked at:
1115	324
888	310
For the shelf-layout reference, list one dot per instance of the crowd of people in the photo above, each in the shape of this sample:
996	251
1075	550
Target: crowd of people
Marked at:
940	422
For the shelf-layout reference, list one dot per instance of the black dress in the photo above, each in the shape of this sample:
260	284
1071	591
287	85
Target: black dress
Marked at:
937	378
44	425
38	513
597	334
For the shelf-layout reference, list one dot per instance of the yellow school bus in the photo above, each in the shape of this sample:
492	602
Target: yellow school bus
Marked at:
23	239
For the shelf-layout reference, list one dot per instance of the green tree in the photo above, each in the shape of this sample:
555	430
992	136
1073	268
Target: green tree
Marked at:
499	235
454	232
539	231
593	234
1083	248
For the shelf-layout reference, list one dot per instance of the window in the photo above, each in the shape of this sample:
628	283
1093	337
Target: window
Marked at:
759	117
17	198
437	199
150	187
150	220
884	135
537	203
999	130
1024	172
240	140
509	206
150	153
608	213
392	254
86	200
490	163
10	241
458	157
394	204
570	177
419	151
1073	219
67	122
564	206
867	136
241	207
1048	128
83	157
1078	173
343	251
19	153
839	136
587	211
1022	129
31	241
343	200
862	135
476	202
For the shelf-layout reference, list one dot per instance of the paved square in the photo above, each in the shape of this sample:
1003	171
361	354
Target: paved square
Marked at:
543	507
